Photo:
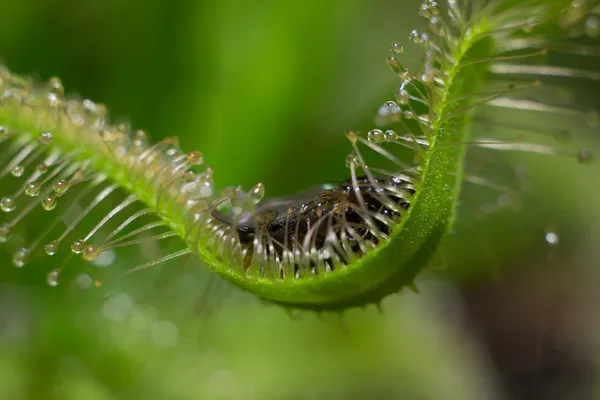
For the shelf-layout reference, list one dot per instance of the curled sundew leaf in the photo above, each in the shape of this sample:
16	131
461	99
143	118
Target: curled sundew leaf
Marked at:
342	245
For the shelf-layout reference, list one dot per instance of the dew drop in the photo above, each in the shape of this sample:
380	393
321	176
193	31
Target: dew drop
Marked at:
77	246
552	238
376	136
33	189
17	170
90	253
52	278
51	248
7	204
4	233
20	257
49	203
45	138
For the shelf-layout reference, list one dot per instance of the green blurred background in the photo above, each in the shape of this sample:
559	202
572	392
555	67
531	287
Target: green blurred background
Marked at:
266	90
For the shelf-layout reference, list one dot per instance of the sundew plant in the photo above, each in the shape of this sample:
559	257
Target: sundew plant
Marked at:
484	89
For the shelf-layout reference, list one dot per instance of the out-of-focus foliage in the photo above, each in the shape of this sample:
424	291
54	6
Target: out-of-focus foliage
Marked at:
265	90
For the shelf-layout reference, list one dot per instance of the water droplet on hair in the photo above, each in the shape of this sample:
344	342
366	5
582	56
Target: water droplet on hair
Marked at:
7	204
52	278
49	202
20	257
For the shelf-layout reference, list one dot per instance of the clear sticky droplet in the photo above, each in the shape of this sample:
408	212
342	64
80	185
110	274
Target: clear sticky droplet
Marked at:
584	156
7	204
20	257
60	186
140	140
4	233
52	278
55	86
402	96
415	37
394	64
45	138
376	136
397	48
90	253
49	202
351	160
257	193
51	248
17	171
552	238
33	189
42	168
195	158
190	176
77	246
390	136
